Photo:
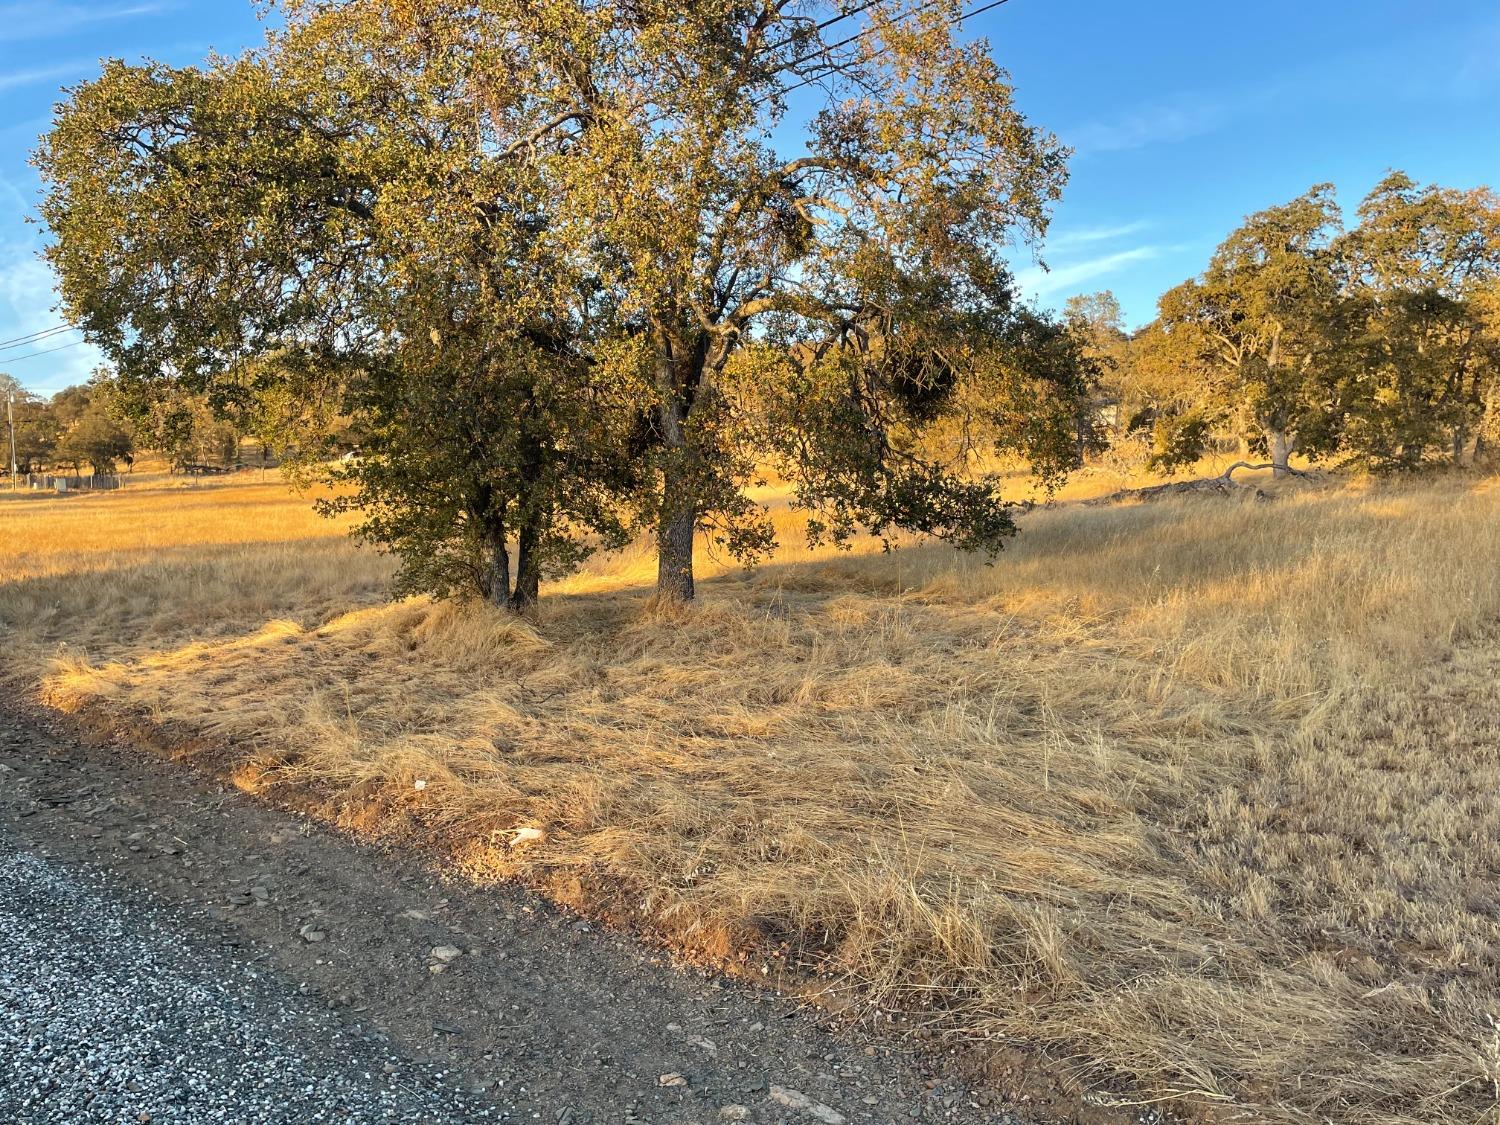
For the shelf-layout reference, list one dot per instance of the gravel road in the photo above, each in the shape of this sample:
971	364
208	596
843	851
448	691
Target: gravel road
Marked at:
108	1013
174	951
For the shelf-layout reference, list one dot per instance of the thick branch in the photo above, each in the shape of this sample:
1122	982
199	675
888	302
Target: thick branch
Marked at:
1228	473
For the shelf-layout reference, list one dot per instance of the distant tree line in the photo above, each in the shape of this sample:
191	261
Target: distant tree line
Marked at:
90	425
1376	345
72	429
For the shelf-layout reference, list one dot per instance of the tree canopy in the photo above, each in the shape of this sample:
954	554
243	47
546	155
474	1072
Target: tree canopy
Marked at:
576	269
1375	345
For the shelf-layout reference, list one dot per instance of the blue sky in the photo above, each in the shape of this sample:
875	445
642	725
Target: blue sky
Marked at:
1185	116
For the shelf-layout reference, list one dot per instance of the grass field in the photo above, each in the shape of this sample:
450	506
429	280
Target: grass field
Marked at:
1197	795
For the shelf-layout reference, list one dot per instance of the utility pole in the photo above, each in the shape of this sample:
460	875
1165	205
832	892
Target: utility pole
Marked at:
10	420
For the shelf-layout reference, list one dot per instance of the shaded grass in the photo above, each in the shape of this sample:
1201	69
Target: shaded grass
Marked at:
1195	794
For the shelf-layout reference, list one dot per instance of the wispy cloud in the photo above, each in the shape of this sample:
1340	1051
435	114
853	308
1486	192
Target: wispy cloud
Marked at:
1039	282
46	20
28	299
1461	62
1089	236
1191	117
75	69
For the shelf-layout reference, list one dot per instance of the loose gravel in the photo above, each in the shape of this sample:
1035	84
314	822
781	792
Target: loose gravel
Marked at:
174	951
106	1016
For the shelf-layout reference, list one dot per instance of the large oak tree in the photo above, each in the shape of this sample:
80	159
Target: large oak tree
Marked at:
580	267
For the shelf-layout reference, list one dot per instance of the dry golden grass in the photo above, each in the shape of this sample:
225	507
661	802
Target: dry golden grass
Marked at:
1196	794
164	562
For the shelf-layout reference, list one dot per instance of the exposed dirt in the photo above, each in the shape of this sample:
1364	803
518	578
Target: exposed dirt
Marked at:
553	1017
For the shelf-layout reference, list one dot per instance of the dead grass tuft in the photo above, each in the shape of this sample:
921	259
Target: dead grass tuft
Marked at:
1198	795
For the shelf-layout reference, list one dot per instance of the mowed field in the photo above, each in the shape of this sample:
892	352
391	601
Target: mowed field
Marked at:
1198	796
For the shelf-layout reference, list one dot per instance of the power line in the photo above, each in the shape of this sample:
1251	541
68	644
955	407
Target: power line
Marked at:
858	35
824	26
918	10
45	351
34	337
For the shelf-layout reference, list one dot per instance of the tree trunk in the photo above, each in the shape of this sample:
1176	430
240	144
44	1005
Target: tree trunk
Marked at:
531	516
1280	446
1467	443
528	569
495	582
674	546
679	509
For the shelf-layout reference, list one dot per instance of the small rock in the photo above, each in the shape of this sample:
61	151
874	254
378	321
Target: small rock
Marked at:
796	1099
311	932
528	836
672	1079
446	953
704	1044
734	1113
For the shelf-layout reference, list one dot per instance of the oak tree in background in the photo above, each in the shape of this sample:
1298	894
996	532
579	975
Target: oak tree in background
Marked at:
35	427
87	432
1380	345
1423	358
575	267
1255	323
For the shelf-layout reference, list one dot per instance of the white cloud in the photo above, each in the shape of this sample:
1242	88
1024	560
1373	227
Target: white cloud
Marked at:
14	78
28	296
1148	125
46	20
1088	236
1035	281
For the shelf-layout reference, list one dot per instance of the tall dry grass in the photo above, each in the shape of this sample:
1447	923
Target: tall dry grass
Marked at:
1198	795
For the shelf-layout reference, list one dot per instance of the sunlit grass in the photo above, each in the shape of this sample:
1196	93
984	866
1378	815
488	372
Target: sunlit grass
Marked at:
1198	793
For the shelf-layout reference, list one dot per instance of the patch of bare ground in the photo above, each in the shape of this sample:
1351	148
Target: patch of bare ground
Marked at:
1191	796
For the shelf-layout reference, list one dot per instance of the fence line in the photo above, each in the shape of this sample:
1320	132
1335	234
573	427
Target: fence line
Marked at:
94	482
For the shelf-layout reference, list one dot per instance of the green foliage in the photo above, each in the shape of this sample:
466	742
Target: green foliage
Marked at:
1423	358
1378	345
76	427
94	438
1179	440
1254	324
281	238
36	432
436	471
513	250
